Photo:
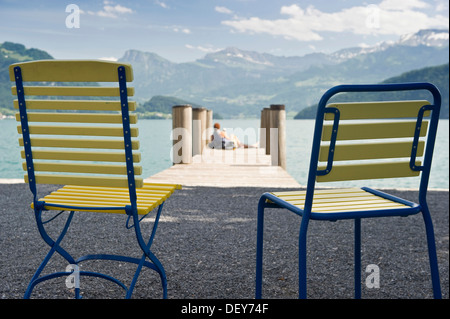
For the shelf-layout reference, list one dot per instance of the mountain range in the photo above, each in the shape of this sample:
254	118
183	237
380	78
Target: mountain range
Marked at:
237	83
438	75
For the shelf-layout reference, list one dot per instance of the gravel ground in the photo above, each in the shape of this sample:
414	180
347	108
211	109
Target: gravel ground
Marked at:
206	242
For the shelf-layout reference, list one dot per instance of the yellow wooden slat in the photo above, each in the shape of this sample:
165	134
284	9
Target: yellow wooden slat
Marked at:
374	130
76	105
82	156
142	191
333	191
80	143
72	91
84	180
370	151
339	200
390	205
148	198
100	200
376	110
70	71
78	130
83	168
104	118
349	203
106	195
323	198
329	202
368	171
142	210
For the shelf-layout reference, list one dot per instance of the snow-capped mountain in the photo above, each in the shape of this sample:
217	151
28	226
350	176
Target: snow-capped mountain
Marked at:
236	81
430	38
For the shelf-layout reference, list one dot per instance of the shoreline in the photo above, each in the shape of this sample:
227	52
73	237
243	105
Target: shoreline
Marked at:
21	181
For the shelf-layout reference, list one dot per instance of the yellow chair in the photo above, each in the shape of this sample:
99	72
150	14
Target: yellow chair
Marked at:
82	135
356	141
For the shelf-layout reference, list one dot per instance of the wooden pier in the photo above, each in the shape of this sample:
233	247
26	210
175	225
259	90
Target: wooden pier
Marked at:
228	168
195	164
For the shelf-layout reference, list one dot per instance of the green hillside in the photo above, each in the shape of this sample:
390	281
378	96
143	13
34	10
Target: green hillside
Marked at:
160	107
438	75
11	53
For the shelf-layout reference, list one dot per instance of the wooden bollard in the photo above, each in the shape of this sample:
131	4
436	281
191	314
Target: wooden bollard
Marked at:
198	129
265	130
278	136
209	125
182	134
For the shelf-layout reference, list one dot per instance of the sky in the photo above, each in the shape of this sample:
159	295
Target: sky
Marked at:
186	30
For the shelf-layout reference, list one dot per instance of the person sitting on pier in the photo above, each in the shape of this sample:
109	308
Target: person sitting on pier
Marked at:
221	140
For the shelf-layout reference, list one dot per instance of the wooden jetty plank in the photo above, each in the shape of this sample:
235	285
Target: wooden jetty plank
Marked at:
228	168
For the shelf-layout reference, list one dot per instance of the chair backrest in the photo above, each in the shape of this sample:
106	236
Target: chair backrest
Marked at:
75	131
371	140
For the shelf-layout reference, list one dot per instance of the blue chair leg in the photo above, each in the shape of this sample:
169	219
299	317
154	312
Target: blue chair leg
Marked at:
259	247
147	253
357	258
54	248
432	252
155	264
302	255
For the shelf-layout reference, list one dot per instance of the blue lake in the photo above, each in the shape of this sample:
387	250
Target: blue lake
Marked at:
156	144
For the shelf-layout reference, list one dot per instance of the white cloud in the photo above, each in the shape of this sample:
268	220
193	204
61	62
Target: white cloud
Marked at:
442	5
206	49
110	58
402	5
111	11
182	30
223	10
389	17
162	4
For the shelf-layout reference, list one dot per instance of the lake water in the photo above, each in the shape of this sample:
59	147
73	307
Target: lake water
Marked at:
156	144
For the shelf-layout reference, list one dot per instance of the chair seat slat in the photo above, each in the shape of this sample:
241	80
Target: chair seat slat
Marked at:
145	190
83	206
148	197
338	200
105	195
100	200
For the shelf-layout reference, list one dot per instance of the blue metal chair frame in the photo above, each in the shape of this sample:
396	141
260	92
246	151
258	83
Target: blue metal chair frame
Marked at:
130	210
268	200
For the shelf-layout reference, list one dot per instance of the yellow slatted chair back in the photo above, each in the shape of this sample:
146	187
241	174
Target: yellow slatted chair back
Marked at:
76	122
371	140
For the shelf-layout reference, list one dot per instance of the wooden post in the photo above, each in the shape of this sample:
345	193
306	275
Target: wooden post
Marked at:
209	125
265	130
198	129
278	135
182	134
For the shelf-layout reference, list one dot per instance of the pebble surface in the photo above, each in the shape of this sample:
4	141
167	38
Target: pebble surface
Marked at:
206	242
